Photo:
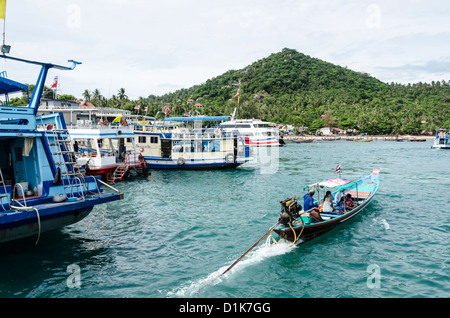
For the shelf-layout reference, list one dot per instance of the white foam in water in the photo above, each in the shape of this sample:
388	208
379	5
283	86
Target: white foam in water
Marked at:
257	255
383	222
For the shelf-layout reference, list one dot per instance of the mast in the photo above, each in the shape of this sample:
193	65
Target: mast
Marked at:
36	97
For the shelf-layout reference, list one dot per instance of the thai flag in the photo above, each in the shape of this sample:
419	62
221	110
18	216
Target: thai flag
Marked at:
137	107
237	93
187	114
338	168
55	83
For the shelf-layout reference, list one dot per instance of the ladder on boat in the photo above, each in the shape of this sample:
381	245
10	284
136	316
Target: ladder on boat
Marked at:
132	160
63	155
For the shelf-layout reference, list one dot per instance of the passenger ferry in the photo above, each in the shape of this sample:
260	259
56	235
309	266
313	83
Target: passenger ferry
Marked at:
40	187
98	136
183	143
442	140
255	132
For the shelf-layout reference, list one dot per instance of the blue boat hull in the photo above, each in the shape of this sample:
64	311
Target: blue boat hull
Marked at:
50	216
193	166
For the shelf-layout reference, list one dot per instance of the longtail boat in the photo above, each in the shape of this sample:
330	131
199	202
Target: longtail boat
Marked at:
297	225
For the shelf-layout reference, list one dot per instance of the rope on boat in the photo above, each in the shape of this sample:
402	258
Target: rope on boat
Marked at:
295	235
27	208
39	226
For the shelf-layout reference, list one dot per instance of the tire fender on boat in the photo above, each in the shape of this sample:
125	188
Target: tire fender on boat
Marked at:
229	158
180	161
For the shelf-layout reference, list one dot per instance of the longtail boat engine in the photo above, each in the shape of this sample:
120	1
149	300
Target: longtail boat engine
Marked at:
289	210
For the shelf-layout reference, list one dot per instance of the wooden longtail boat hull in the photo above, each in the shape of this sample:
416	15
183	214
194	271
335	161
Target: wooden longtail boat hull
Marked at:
310	229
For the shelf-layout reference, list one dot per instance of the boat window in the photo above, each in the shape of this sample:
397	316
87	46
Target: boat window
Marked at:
154	140
129	140
183	146
142	139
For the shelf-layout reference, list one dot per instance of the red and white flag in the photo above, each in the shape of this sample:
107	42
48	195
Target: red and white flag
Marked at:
55	84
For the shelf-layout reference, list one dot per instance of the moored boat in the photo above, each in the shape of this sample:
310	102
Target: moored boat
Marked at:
40	187
363	140
442	139
182	143
255	132
298	225
98	136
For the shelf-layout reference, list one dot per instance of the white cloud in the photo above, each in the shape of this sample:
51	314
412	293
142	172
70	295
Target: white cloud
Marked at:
153	47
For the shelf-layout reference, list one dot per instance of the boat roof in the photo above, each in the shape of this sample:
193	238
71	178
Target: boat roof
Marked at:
247	121
338	184
8	86
198	118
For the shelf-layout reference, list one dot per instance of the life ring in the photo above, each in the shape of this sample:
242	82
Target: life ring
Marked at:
217	132
141	149
180	161
229	158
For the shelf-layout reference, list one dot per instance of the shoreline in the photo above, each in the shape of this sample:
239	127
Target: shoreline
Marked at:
352	138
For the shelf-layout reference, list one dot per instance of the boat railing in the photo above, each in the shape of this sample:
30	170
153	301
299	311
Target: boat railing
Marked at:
79	184
112	126
108	186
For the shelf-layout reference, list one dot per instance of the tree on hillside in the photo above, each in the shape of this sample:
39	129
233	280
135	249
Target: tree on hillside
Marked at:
87	95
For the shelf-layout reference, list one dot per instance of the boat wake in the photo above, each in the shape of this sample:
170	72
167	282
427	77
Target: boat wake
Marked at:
383	223
258	255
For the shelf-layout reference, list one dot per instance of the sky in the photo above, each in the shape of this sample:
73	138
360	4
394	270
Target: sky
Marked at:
153	47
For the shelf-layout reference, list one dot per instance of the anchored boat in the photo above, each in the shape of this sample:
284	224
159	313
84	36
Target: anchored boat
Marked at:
183	143
296	224
40	187
255	132
98	136
442	140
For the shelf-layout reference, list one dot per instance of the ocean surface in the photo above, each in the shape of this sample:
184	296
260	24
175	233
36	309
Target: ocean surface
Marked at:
175	232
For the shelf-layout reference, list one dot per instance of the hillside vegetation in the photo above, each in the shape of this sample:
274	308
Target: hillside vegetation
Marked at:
289	87
292	88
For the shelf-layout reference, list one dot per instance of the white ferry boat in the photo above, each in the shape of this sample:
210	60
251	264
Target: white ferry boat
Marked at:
442	140
255	132
183	143
98	136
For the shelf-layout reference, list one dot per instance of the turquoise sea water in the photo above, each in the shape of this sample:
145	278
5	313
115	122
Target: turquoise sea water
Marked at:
176	231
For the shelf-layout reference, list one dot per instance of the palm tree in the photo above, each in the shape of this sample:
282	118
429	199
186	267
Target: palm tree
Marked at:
96	96
122	96
86	95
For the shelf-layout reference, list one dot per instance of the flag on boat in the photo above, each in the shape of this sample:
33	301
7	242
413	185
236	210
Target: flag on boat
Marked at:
146	109
237	93
117	119
137	107
55	84
166	110
338	168
2	9
187	114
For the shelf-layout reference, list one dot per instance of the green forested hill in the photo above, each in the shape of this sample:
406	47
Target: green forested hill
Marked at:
292	88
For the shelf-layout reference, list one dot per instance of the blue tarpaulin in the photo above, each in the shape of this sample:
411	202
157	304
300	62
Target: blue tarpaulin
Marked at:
9	86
